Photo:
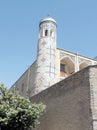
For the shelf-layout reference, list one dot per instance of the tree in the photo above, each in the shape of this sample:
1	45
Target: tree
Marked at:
16	112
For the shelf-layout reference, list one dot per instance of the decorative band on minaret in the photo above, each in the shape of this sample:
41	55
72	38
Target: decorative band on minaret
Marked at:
46	54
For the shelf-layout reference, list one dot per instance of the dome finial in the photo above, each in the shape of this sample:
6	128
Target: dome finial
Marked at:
48	18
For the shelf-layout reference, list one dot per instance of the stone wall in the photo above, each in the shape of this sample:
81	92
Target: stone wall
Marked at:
68	103
93	88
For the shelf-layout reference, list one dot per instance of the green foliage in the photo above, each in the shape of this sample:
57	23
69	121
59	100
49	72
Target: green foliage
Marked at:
16	112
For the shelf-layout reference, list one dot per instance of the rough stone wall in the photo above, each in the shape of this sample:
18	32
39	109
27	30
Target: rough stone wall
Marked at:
93	87
68	105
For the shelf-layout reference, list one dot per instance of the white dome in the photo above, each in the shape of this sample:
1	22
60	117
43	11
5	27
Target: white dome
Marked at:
48	19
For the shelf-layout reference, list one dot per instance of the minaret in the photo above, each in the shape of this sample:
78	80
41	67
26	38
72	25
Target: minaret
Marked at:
46	54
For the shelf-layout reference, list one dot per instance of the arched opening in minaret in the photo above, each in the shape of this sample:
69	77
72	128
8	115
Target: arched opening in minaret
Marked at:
66	67
52	33
46	32
83	65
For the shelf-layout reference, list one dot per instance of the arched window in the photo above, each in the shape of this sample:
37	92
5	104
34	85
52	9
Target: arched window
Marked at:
46	32
62	67
52	33
66	66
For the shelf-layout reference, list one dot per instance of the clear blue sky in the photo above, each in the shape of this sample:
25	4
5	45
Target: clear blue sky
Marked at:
19	21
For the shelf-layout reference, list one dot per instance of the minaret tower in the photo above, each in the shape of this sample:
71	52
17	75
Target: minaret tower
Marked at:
46	54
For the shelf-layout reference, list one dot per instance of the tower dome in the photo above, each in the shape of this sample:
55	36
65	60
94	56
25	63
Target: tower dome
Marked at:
48	19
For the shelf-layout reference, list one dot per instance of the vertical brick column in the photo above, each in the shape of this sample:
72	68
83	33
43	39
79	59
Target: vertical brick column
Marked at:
93	91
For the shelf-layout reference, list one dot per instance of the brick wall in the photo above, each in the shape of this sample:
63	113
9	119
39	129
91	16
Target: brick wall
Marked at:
93	88
68	103
25	84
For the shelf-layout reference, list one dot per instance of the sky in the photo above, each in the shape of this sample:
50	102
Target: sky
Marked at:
19	27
